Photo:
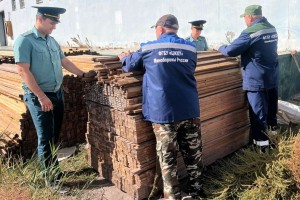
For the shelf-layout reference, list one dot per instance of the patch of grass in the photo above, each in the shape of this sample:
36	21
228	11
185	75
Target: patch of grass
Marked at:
295	161
80	174
76	162
251	173
25	180
248	174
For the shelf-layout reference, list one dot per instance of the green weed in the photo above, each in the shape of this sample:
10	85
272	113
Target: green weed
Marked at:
29	180
252	173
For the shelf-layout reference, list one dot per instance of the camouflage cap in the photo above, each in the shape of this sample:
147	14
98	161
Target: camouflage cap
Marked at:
252	10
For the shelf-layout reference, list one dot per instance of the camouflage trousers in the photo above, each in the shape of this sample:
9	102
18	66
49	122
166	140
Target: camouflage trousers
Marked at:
183	136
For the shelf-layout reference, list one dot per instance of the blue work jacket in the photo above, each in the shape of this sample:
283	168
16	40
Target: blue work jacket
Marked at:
169	85
257	46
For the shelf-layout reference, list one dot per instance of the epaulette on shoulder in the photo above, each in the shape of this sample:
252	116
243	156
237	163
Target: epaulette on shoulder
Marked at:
27	33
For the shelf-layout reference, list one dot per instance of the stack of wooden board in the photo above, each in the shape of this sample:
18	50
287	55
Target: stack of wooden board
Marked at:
17	132
128	163
223	108
122	145
7	56
15	119
73	51
68	51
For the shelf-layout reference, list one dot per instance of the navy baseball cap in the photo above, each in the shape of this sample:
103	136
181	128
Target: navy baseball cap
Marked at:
167	21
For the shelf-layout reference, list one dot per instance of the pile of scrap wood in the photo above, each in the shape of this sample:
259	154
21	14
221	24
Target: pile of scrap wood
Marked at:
122	145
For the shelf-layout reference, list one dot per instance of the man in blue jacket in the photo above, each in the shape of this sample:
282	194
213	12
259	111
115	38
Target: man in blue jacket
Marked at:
257	46
170	102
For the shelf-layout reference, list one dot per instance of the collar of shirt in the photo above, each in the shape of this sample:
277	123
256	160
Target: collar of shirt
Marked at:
258	20
191	39
37	34
167	34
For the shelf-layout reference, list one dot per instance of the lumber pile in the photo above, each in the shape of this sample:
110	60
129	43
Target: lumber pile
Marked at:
7	59
122	145
17	132
7	56
68	51
16	129
13	110
73	51
6	51
223	108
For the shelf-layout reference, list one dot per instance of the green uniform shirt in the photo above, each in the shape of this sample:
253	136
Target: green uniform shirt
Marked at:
44	56
200	43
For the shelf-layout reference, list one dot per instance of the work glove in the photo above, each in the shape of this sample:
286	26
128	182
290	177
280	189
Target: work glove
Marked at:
88	76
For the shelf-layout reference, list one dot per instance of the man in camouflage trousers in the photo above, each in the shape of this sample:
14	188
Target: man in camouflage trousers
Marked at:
184	136
170	102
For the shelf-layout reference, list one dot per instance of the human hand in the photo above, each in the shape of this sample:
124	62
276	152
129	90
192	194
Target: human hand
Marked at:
124	54
216	47
46	103
293	53
88	76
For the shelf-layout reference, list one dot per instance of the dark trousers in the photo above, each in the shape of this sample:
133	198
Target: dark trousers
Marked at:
263	106
47	124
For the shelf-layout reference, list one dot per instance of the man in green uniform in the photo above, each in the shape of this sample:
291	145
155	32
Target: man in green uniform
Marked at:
39	61
199	41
